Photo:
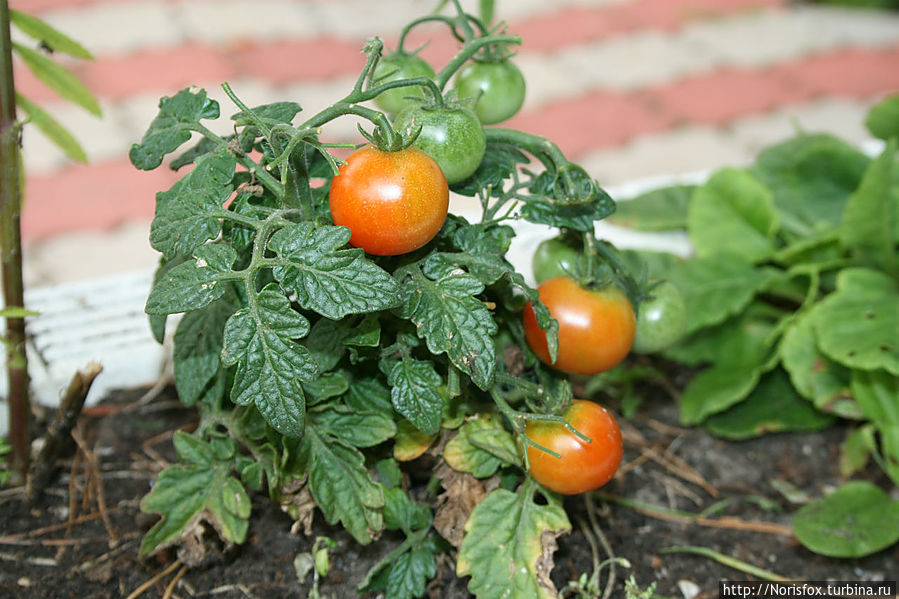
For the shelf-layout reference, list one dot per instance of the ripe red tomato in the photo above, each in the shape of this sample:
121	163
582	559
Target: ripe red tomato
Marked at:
583	466
392	202
596	327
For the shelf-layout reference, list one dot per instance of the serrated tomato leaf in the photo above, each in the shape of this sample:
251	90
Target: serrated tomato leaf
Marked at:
480	447
452	321
192	284
332	281
201	489
178	115
341	485
186	213
414	392
357	428
259	339
508	545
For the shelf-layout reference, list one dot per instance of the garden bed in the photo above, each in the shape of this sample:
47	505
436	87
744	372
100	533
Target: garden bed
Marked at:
67	548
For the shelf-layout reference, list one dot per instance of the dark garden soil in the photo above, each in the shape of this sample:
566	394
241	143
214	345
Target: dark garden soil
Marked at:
83	543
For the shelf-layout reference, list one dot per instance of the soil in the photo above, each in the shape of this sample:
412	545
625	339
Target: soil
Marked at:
65	548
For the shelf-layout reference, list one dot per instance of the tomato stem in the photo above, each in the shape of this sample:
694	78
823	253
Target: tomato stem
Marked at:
469	50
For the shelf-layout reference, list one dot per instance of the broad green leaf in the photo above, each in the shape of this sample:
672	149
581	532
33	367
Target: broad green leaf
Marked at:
359	429
342	486
58	78
655	266
46	34
883	119
733	212
270	365
198	348
877	392
270	114
369	395
773	406
508	546
662	209
192	284
367	333
452	321
325	341
856	450
871	218
186	214
50	127
718	286
811	177
815	376
178	116
410	573
414	391
856	520
201	489
332	281
496	446
158	321
328	385
716	389
858	324
401	514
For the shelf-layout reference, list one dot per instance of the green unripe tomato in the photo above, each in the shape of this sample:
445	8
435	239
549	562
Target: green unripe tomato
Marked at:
452	136
400	65
555	258
498	88
661	320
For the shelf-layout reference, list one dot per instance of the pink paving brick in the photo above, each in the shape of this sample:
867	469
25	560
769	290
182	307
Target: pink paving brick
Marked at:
95	197
849	73
721	96
297	60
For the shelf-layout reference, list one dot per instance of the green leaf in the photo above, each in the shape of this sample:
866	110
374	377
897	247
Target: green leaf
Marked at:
178	116
334	282
716	389
192	284
328	385
452	321
871	218
58	78
662	209
359	429
54	131
48	35
369	395
414	391
815	376
858	324
508	546
883	119
401	514
342	486
270	365
773	406
856	520
496	446
202	489
198	347
718	286
733	212
410	573
186	214
856	450
580	217
500	161
811	177
275	113
877	393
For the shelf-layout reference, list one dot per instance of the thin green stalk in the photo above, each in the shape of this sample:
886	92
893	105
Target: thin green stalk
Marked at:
11	254
731	562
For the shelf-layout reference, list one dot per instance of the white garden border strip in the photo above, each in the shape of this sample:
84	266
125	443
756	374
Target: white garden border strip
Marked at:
103	319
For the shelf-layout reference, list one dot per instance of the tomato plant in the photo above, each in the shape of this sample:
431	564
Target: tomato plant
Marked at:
392	202
582	465
497	87
399	66
556	258
596	326
452	136
321	372
662	319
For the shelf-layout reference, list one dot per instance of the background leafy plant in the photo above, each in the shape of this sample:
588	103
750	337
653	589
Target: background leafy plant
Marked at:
793	295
